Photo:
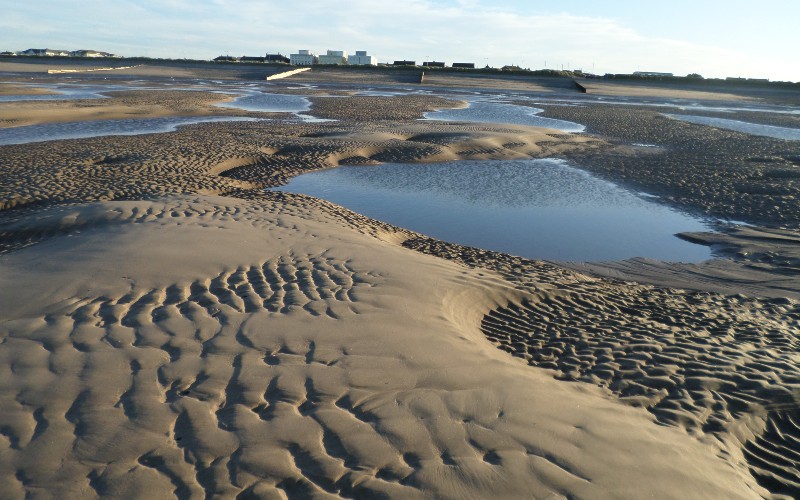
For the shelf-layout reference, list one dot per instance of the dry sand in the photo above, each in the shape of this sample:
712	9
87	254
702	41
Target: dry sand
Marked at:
633	89
125	104
169	329
12	89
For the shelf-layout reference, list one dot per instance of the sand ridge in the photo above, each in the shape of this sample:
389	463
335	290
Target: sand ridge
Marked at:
225	395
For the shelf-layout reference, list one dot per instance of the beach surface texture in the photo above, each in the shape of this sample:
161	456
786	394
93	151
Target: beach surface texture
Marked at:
170	327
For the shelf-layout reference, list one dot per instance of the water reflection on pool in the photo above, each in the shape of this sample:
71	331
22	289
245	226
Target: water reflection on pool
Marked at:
541	209
275	103
789	134
498	112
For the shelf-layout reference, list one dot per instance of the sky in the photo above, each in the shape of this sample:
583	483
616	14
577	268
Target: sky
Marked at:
719	38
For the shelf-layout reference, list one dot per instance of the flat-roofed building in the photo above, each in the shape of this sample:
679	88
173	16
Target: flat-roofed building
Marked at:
433	64
333	57
303	58
464	65
404	63
362	59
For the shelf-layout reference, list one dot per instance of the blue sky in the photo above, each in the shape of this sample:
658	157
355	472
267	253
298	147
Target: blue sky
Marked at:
713	38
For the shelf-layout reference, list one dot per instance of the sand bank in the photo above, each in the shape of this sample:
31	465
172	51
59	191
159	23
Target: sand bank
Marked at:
12	89
125	104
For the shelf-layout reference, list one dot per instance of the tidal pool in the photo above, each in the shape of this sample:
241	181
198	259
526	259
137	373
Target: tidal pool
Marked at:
82	130
498	112
273	103
789	134
540	209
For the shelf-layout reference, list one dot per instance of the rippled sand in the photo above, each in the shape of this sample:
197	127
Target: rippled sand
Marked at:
168	328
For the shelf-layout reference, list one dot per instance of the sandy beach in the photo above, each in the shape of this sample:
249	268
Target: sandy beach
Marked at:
172	328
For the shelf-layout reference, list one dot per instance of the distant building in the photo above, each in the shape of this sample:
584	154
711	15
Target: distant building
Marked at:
651	73
464	65
433	64
277	58
226	59
64	53
32	52
90	53
7	53
56	53
404	63
333	57
362	59
303	58
251	59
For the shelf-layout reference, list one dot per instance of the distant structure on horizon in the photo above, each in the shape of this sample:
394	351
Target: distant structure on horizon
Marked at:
252	59
333	57
652	73
303	58
277	58
64	53
362	59
464	65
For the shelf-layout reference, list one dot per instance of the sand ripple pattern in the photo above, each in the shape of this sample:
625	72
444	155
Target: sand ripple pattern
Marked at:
112	398
278	286
703	368
774	455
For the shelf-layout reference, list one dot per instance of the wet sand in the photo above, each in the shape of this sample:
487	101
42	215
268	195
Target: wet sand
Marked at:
170	328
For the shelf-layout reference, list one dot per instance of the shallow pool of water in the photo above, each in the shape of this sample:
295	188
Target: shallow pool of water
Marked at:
498	112
272	103
789	134
541	209
82	130
275	103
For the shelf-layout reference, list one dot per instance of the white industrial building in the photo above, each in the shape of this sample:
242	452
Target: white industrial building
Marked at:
362	59
303	58
334	57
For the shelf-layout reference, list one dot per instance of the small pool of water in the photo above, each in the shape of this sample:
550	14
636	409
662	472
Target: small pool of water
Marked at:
272	103
82	130
540	209
275	103
498	112
789	134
